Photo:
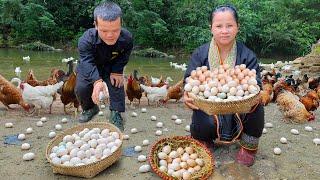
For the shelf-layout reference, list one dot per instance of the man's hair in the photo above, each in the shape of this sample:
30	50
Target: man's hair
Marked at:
223	8
107	11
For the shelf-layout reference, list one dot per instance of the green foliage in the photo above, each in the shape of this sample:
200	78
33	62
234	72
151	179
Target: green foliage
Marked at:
37	46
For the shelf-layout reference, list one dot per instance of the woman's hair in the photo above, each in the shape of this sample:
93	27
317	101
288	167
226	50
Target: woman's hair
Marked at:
223	8
107	11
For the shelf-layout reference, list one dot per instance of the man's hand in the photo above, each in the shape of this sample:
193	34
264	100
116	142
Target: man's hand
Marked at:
97	88
116	79
189	101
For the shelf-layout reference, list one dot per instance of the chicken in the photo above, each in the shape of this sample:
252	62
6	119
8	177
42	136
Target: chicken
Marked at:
40	96
67	92
9	94
32	80
155	94
310	100
313	82
281	85
266	93
174	92
133	89
293	109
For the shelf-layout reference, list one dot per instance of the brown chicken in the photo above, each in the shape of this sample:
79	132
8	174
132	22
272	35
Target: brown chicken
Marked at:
293	109
133	90
175	92
32	80
281	85
310	100
67	92
266	93
9	94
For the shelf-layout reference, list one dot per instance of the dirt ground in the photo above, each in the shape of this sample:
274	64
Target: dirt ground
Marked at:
299	158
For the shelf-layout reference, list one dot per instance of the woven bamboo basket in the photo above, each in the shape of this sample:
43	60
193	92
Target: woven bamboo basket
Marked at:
232	107
182	141
90	170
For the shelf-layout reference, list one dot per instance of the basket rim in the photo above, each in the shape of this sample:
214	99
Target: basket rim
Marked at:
154	166
242	101
63	133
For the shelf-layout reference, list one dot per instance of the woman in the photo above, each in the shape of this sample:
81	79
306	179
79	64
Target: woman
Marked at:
224	49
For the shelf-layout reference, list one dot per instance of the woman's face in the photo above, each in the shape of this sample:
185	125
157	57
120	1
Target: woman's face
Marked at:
224	28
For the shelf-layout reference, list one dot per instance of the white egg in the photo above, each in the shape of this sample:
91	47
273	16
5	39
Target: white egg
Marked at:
316	141
159	124
163	162
264	131
200	162
166	149
43	119
283	140
277	151
62	151
113	149
178	121
162	155
52	134
67	138
64	120
85	147
134	130
268	125
8	125
73	152
158	132
173	154
25	146
145	142
144	168
187	128
294	131
54	149
143	110
56	160
29	130
142	158
137	148
106	152
65	158
28	156
52	155
118	142
174	117
21	136
308	128
188	87
134	114
75	160
58	127
153	118
163	169
100	113
102	106
39	124
126	137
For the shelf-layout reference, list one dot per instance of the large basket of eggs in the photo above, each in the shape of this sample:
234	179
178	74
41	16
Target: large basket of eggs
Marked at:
223	90
85	150
181	157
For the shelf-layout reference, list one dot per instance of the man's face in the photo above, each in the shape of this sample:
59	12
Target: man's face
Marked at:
109	31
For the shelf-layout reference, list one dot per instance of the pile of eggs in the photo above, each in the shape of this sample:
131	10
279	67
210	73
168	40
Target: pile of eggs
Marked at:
179	163
86	147
223	84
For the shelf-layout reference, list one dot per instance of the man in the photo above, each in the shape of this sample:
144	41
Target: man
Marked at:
104	52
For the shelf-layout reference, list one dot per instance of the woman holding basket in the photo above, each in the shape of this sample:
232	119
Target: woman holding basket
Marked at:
224	49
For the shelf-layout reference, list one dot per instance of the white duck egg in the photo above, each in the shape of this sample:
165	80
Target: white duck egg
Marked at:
58	127
283	140
54	149
166	149
68	138
29	130
64	120
8	125
78	143
159	124
118	142
143	110
56	160
115	135
52	155
162	155
21	136
106	152
178	121
144	168
126	137
158	132
134	114
187	128
105	131
145	142
277	151
25	146
113	149
85	147
163	169
43	119
174	117
73	152
268	125
188	87
316	141
294	131
153	118
52	134
173	154
93	143
102	106
264	131
163	162
39	124
134	130
308	128
94	136
110	145
62	151
137	149
75	160
28	156
100	113
65	158
142	158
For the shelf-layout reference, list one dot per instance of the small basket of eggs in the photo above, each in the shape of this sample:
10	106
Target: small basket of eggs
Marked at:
85	150
181	157
223	90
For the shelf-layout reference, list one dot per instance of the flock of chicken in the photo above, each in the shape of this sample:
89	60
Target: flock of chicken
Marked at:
295	97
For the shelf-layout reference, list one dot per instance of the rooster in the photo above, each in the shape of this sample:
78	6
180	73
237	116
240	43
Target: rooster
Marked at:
293	108
155	94
133	89
174	92
9	94
67	93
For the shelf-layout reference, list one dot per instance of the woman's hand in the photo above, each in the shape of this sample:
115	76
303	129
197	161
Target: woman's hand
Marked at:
189	101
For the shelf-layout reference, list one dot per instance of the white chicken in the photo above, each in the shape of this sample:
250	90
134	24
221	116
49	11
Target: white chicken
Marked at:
40	96
155	94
